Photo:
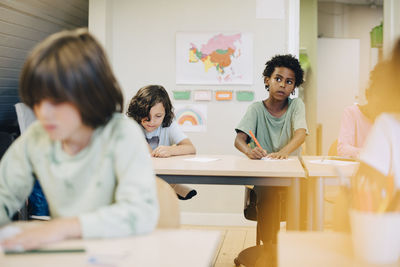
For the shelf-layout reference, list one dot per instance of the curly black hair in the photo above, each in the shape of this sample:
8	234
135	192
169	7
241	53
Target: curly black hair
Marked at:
147	97
287	61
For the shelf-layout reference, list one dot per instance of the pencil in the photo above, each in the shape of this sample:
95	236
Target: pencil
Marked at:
255	139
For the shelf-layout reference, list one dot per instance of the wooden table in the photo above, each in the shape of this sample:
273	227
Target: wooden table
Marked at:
172	248
328	249
236	170
320	171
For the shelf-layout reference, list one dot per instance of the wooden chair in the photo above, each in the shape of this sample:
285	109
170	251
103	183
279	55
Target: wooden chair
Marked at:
333	148
169	206
332	192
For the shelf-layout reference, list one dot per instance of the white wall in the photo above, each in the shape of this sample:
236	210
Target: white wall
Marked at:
308	41
143	52
337	20
391	25
338	64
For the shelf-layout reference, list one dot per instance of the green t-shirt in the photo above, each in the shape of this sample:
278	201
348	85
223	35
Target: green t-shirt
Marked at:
271	132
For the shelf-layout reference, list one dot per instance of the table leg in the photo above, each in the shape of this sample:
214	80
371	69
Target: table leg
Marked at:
318	222
293	209
310	203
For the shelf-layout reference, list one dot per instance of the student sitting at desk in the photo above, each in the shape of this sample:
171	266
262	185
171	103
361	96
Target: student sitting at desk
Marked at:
380	157
357	119
152	109
91	161
279	124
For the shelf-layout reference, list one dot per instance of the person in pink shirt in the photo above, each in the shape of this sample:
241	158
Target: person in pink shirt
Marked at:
357	119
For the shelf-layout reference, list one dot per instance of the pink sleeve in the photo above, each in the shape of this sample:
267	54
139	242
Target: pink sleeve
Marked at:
347	135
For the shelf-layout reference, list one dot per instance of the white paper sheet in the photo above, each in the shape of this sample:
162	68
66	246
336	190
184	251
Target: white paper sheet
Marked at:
332	162
271	159
202	159
9	231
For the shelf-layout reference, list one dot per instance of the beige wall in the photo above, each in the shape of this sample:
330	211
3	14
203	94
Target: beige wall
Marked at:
337	20
140	39
391	25
308	42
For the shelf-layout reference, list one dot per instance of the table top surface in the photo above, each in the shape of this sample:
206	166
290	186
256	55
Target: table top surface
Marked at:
321	166
328	249
161	248
227	165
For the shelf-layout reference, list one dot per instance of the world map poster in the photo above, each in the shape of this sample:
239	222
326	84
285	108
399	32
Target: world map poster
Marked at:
214	58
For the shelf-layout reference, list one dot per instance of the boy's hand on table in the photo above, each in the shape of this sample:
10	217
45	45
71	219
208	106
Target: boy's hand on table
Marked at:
162	152
256	153
43	233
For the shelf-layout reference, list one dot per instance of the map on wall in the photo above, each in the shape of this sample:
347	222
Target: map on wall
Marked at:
214	58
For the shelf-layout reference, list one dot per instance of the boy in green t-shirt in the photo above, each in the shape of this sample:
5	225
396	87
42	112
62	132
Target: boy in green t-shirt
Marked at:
279	124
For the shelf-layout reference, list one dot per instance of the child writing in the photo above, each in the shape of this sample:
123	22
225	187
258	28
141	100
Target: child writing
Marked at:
279	125
357	119
152	109
92	162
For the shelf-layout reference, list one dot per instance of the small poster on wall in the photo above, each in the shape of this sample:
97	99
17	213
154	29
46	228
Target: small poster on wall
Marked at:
214	58
191	117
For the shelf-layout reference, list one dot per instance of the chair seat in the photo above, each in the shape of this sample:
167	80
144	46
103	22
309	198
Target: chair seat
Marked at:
258	256
248	257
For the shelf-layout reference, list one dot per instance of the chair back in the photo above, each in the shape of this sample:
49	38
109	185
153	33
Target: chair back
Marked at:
169	206
333	149
25	116
250	202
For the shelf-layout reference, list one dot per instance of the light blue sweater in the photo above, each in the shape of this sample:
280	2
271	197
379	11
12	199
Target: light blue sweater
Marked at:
109	185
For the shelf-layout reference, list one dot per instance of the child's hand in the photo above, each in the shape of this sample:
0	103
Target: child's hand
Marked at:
43	233
162	152
256	153
278	155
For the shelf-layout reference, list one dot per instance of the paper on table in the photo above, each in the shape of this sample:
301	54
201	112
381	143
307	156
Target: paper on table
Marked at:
272	159
108	259
104	256
198	159
9	231
12	230
332	162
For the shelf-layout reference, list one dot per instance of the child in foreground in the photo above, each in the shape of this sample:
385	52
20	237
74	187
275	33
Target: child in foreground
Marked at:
91	161
378	174
152	109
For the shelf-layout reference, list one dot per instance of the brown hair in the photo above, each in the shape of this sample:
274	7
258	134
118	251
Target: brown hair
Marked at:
71	66
145	99
384	88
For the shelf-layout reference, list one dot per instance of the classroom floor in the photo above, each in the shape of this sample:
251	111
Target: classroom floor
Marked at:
236	238
233	240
